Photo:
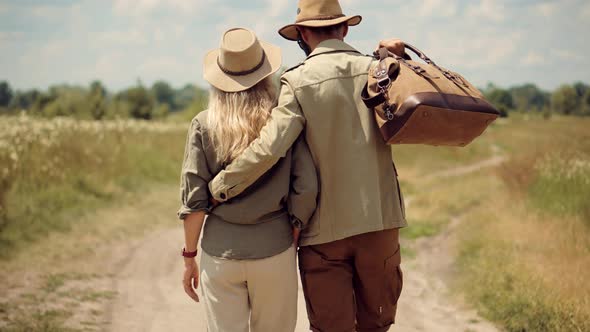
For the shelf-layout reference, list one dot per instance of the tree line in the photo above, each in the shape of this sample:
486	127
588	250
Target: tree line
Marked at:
157	101
96	102
568	99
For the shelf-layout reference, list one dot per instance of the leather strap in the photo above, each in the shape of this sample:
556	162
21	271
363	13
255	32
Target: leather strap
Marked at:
372	102
320	18
242	73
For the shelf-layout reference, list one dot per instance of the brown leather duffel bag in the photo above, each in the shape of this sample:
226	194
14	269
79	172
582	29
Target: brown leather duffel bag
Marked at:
422	103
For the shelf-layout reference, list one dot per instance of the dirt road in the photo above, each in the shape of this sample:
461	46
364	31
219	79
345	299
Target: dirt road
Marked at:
151	298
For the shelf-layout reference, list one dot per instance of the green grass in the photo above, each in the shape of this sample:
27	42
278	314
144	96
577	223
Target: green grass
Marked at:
420	229
51	303
561	185
39	321
53	172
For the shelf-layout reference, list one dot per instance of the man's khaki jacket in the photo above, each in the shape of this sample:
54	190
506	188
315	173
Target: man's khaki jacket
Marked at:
359	191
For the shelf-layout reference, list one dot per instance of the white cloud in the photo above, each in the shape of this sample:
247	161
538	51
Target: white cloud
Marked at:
533	59
568	55
277	7
10	36
47	11
585	12
118	38
492	10
179	71
143	7
547	9
439	8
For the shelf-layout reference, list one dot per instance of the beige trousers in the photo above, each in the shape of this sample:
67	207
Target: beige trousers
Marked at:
257	295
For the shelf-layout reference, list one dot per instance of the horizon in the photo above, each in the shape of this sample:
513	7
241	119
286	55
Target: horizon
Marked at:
122	41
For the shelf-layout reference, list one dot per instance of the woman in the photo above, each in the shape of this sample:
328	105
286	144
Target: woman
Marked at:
248	275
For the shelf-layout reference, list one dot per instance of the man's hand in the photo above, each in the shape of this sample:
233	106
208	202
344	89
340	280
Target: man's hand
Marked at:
296	232
395	46
190	281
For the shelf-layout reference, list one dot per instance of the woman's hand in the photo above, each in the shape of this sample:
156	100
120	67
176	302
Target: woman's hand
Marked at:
190	280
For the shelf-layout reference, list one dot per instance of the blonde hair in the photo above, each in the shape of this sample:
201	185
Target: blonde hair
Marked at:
236	118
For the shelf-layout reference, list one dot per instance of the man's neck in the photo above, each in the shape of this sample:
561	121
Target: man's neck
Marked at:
319	41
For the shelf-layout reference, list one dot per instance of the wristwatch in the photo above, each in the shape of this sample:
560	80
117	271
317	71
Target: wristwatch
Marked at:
189	254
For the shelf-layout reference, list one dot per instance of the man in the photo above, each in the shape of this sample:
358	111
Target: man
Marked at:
349	256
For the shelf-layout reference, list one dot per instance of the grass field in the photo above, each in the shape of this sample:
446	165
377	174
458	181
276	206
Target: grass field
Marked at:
524	240
54	171
523	245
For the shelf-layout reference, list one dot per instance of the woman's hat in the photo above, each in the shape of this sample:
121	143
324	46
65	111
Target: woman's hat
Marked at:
241	61
318	13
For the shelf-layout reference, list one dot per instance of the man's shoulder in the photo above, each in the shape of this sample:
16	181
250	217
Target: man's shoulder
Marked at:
325	66
292	74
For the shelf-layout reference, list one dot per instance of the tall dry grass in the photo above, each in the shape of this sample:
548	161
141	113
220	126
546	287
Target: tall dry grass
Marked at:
525	254
524	240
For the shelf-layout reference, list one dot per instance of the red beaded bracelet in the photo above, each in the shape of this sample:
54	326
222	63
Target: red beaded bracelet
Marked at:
188	254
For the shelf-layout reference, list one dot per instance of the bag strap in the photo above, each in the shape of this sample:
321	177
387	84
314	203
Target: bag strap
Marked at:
372	102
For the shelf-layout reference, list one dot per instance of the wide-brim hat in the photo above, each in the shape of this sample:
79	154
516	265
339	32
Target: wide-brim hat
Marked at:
241	61
318	13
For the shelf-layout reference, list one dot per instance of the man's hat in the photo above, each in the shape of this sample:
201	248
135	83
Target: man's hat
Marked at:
318	13
241	61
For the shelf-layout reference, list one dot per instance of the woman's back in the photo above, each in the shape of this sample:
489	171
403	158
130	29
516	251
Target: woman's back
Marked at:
257	223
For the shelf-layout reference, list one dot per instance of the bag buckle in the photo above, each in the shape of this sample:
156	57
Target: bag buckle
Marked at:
384	83
388	113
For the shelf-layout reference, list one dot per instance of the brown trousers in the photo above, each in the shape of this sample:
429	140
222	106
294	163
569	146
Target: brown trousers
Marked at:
352	284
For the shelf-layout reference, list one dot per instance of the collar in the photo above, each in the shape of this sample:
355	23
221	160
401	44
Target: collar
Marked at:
331	46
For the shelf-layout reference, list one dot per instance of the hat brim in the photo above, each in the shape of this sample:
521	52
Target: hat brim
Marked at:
290	31
232	83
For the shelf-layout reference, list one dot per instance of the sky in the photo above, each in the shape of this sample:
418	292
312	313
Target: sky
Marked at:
122	41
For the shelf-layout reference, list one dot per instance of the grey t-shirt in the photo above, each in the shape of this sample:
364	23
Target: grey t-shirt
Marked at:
257	223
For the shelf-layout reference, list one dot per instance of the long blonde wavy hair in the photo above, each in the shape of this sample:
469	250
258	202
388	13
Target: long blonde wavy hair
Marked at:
235	118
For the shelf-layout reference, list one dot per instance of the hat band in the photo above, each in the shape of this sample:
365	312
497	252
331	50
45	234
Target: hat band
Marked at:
320	18
242	73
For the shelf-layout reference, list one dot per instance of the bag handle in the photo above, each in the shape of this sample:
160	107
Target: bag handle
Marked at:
453	78
419	53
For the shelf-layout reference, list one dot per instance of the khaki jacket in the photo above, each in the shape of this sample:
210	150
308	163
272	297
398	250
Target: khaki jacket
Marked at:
359	191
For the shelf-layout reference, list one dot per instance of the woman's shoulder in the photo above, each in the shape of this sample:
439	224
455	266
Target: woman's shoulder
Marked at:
199	121
201	117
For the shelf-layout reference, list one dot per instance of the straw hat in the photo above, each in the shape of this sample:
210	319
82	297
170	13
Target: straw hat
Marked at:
241	61
318	13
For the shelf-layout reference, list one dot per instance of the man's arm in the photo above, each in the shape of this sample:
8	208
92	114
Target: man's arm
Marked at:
303	193
276	137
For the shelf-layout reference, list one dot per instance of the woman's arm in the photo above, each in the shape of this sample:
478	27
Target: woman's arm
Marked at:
194	198
193	223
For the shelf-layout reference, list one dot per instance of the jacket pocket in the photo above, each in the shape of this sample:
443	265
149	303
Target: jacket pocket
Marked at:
394	279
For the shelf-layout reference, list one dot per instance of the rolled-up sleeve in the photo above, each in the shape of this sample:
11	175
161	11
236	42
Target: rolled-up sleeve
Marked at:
304	190
276	137
195	174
